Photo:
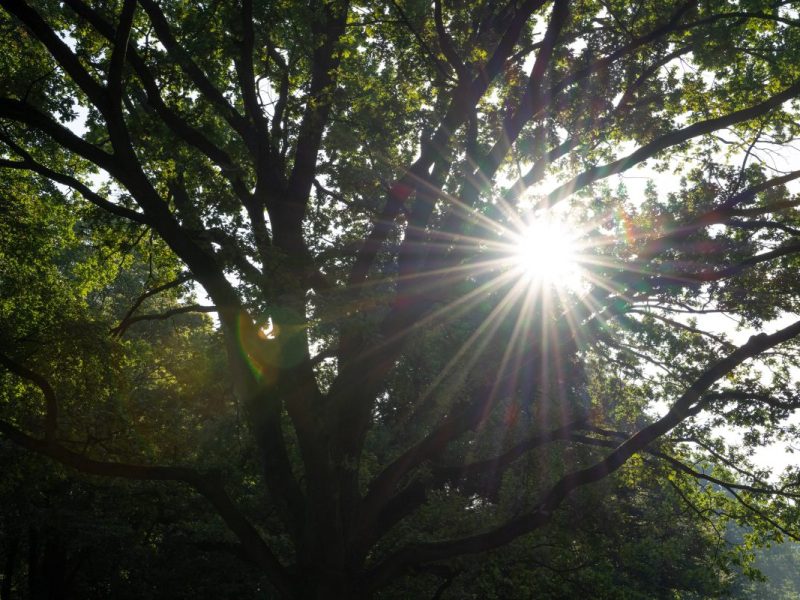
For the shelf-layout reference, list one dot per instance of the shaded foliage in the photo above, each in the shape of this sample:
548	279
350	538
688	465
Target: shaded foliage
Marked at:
385	390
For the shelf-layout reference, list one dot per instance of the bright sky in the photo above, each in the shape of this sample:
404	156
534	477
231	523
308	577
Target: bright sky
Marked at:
777	456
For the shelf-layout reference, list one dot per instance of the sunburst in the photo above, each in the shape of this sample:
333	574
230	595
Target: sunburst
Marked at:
547	252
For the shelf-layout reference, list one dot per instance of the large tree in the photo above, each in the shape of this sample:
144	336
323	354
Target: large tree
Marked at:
354	187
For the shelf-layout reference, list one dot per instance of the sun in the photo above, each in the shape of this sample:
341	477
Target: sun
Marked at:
546	252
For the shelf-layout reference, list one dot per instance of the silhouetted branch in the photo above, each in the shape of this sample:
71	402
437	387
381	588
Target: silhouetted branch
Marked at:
120	329
51	401
413	554
206	484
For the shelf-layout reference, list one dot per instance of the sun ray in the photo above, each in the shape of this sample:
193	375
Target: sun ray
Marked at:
481	337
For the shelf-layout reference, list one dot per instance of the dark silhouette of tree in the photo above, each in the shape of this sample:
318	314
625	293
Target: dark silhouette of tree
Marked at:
348	184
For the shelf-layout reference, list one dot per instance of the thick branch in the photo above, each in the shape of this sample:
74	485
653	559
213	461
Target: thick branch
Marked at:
682	467
22	112
51	402
481	477
152	292
535	104
117	209
191	68
247	78
176	124
733	270
463	100
120	329
458	421
719	214
494	468
59	51
426	50
422	553
206	485
283	98
117	63
325	62
446	43
537	171
708	275
534	97
669	140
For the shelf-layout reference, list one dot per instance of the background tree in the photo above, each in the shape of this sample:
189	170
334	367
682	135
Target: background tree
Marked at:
351	186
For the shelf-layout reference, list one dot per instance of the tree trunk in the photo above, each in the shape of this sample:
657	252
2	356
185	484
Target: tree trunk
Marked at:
330	586
10	567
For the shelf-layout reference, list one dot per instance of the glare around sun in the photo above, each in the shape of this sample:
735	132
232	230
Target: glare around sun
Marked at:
546	252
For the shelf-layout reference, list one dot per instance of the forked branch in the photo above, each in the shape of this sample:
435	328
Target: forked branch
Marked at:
397	563
206	484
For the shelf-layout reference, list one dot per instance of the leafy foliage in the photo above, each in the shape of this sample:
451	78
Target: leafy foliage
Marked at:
385	390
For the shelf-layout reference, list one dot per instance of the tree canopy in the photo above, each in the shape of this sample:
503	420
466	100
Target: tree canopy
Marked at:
367	279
